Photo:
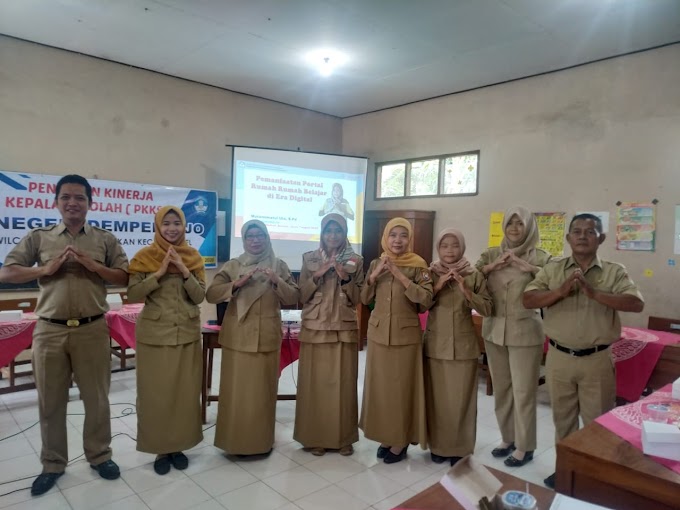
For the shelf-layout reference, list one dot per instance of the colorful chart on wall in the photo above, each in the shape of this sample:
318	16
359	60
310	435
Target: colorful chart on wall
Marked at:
551	232
636	226
495	229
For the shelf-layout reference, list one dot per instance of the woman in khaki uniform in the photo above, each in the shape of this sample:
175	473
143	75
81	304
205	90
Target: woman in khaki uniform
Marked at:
330	282
452	350
169	278
514	335
255	284
393	408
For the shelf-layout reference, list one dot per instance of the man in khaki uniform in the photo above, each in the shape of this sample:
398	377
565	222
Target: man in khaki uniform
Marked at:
582	296
73	261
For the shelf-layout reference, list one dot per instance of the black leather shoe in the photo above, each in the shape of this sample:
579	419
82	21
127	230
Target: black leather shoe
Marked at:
391	458
382	451
162	465
550	481
179	460
437	459
44	482
503	452
512	461
107	469
454	460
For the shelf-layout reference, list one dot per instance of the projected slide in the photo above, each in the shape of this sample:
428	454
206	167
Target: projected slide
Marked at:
290	192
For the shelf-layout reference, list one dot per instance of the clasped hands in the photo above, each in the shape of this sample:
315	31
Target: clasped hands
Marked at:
270	273
70	253
387	265
455	276
172	257
326	266
510	259
574	282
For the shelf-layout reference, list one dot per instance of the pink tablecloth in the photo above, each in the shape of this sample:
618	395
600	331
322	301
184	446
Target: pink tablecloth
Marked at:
14	338
122	324
626	421
636	355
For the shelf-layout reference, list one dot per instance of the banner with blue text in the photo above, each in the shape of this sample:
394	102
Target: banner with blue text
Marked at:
125	209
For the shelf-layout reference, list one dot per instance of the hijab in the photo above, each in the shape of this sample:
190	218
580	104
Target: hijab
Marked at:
345	252
525	249
406	259
150	258
259	282
462	265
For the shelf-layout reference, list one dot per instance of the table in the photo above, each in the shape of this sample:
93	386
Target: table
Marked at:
437	497
290	351
596	465
18	336
636	356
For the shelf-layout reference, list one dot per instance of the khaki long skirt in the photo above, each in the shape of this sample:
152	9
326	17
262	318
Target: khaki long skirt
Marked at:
393	408
451	402
326	409
168	397
246	412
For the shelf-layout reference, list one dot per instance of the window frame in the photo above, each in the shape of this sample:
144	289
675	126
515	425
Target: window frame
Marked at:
440	178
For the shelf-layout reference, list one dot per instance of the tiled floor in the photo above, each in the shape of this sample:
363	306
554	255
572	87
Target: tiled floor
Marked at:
289	479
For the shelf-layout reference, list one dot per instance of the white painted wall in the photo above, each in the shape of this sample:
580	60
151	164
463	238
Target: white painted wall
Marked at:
580	139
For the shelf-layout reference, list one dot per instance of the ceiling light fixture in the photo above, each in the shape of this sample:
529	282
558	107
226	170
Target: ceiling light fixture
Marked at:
326	61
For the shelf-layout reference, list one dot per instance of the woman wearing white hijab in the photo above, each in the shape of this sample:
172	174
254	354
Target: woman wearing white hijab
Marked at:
255	284
514	335
452	350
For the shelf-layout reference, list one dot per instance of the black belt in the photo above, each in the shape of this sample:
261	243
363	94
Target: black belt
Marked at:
578	352
73	323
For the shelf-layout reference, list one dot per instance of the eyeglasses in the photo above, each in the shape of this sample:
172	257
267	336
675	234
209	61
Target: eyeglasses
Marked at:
259	237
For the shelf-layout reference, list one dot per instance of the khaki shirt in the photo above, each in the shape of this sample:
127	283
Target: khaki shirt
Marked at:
450	334
327	304
171	315
260	330
577	321
72	292
394	320
511	324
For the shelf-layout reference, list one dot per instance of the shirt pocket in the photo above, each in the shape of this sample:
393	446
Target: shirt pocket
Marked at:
348	312
150	313
312	309
408	322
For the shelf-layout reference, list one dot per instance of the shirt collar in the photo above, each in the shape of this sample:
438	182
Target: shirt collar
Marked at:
596	262
61	228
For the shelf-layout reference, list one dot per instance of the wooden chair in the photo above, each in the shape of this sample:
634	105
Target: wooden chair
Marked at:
667	368
119	351
25	305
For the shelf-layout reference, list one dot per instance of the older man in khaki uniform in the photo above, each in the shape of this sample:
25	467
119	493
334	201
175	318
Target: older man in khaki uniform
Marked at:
582	295
74	260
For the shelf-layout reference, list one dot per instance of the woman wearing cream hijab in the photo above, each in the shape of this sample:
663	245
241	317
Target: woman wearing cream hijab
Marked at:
452	350
255	284
330	282
169	278
393	408
514	335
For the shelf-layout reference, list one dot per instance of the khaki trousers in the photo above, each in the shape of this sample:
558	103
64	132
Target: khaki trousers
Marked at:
514	372
583	385
58	352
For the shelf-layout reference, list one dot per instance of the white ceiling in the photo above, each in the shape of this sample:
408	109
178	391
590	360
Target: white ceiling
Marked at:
399	50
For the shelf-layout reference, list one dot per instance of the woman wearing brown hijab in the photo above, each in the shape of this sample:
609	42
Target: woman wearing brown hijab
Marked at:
452	350
514	335
330	282
169	278
393	408
255	284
